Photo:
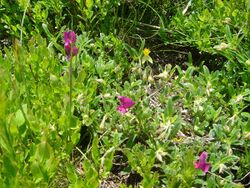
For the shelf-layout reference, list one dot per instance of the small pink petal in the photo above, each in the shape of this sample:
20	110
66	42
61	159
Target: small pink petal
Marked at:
74	50
69	36
196	165
202	164
206	167
126	102
203	156
67	48
121	109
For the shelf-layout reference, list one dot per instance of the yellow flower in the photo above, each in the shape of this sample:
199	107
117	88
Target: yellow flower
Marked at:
146	51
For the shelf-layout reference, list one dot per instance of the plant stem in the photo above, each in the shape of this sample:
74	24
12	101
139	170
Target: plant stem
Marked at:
70	91
24	13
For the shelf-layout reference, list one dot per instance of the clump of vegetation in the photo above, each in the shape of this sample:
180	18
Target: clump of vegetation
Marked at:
124	93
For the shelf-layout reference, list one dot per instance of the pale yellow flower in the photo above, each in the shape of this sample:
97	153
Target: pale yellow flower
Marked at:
221	46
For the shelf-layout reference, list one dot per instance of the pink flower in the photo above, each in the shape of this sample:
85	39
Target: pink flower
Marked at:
69	36
202	164
69	43
68	49
125	103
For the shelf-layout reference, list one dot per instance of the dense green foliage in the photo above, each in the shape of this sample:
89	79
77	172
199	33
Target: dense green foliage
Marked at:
59	123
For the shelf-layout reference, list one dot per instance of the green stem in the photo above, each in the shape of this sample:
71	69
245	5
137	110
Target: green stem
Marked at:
70	91
22	22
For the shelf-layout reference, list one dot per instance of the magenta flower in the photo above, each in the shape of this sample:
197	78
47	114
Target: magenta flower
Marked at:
202	164
69	43
69	36
125	103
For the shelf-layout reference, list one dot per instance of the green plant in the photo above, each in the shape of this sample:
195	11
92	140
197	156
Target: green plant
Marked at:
101	110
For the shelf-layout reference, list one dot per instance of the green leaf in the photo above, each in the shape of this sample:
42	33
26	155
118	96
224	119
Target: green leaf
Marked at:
43	151
71	173
75	137
132	51
2	105
224	160
107	162
23	3
54	40
95	153
147	58
206	71
170	107
89	4
10	168
36	171
219	3
19	118
149	180
91	174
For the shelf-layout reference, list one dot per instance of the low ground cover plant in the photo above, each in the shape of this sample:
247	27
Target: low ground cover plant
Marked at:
85	103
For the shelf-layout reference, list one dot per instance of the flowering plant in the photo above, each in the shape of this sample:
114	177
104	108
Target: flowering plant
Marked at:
202	164
125	104
69	43
146	56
